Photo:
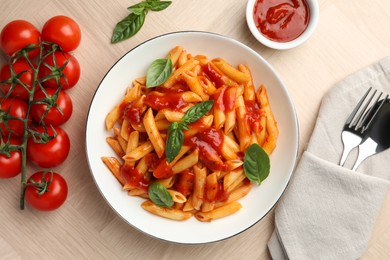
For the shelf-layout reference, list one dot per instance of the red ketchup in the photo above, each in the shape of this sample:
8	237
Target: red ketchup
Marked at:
281	20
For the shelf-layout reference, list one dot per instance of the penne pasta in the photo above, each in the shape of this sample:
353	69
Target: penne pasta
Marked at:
272	128
220	212
186	163
177	196
115	145
175	53
174	214
153	133
230	71
194	84
206	178
139	152
182	69
199	186
114	165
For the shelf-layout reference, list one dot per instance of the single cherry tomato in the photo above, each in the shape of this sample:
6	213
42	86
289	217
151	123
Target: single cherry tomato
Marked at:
12	107
59	109
26	75
10	166
17	35
51	153
46	191
69	76
63	31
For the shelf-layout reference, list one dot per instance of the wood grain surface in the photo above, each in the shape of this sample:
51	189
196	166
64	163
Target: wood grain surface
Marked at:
350	35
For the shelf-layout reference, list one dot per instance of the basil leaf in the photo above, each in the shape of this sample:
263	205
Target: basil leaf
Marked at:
139	8
173	126
160	195
128	27
194	113
157	6
256	164
158	72
174	143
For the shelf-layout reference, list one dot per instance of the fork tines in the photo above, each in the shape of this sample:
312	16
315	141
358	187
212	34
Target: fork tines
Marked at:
359	116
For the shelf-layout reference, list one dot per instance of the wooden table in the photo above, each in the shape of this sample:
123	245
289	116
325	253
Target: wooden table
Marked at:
350	35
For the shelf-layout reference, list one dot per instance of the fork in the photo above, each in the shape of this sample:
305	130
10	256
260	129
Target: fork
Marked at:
377	140
360	119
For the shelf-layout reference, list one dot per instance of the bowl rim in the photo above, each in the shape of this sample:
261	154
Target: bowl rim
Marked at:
313	21
295	120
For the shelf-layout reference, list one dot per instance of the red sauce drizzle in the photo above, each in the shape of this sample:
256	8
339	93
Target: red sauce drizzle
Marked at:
229	98
219	98
253	114
185	182
163	170
209	144
213	137
281	20
134	178
133	113
222	195
211	72
160	167
225	98
158	100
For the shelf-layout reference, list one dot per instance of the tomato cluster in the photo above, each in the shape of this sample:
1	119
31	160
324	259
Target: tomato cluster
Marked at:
34	104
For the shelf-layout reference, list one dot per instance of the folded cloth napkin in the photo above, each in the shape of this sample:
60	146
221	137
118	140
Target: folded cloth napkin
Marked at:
328	211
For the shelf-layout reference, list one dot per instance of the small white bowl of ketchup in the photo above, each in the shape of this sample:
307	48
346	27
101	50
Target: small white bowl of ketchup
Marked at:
282	24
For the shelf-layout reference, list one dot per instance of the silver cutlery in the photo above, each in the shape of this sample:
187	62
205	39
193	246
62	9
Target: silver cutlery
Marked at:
359	121
378	135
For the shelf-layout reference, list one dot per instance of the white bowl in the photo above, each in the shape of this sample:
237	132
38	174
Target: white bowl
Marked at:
314	16
256	204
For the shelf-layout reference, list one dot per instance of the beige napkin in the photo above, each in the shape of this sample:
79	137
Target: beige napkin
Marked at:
328	211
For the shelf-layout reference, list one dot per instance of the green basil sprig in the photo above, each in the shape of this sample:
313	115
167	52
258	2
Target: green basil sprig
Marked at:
160	195
130	25
176	137
256	164
158	72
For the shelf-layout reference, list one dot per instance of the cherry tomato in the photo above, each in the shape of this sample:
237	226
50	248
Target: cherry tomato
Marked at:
15	108
26	76
54	117
52	153
71	71
11	166
52	197
17	35
62	30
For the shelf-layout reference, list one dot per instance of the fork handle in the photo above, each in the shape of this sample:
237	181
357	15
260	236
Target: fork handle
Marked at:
366	149
350	141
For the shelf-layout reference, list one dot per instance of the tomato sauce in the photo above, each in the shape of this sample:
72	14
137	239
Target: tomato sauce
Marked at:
253	114
134	178
225	98
219	98
163	170
213	137
212	73
158	100
160	167
185	182
209	143
281	20
222	195
133	113
229	98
